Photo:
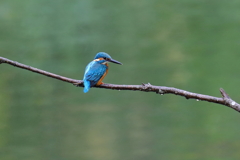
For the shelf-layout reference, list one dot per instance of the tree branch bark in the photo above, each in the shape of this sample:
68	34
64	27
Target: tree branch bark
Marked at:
224	100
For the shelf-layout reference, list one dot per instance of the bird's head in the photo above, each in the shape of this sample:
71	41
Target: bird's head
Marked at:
104	58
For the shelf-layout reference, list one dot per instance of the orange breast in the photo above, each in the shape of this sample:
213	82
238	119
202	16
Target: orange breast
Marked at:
100	80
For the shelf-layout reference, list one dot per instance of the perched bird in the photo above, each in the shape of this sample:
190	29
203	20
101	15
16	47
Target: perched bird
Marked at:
97	70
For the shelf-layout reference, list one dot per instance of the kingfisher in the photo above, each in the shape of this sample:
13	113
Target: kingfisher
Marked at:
96	70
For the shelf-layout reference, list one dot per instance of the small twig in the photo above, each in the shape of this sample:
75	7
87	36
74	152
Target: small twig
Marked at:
228	101
225	100
224	94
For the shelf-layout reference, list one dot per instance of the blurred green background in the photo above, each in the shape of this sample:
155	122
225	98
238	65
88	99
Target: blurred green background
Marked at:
187	44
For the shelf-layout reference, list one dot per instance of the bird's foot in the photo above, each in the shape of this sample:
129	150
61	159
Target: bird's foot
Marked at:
99	83
79	83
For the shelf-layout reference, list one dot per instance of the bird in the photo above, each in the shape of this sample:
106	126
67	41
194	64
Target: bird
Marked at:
96	70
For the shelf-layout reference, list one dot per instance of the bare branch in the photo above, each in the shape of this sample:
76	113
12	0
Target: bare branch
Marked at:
224	100
23	66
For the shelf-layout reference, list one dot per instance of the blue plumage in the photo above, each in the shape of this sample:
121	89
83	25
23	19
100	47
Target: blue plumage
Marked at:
97	70
93	73
86	86
102	55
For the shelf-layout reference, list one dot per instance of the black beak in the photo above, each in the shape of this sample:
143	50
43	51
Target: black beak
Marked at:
114	61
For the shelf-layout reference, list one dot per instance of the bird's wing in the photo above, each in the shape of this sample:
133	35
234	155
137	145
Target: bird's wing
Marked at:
94	71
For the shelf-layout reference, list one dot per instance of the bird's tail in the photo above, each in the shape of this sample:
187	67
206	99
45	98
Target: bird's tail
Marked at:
86	86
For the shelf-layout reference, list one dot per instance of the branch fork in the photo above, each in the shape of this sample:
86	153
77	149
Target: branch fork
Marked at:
147	87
